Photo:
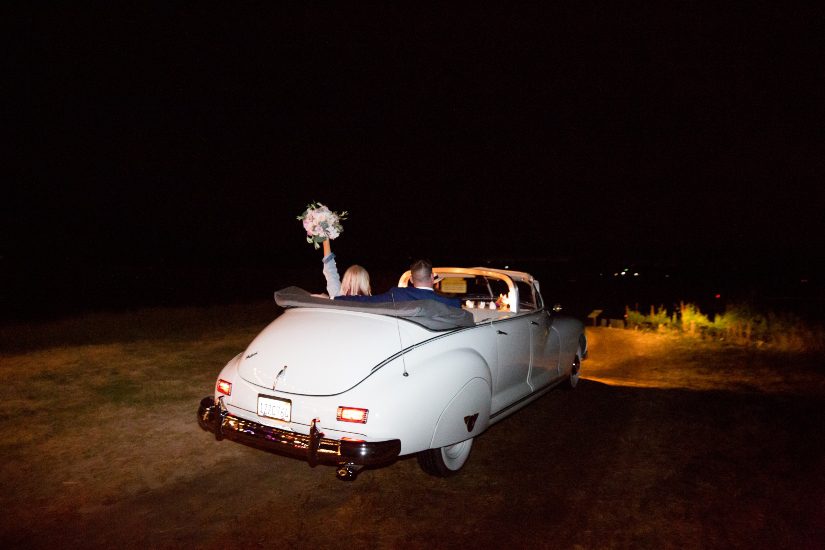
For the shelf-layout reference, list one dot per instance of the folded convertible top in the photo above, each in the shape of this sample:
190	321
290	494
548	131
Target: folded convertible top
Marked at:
429	313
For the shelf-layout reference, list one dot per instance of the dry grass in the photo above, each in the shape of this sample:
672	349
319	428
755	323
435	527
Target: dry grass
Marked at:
90	401
672	360
667	443
140	325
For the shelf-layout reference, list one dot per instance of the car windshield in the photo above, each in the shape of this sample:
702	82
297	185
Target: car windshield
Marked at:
472	287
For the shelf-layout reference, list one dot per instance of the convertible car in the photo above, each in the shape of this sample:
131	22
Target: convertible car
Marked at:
359	384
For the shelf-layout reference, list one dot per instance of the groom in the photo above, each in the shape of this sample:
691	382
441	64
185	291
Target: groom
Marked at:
422	279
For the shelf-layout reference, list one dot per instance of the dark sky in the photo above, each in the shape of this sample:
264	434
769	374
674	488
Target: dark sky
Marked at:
179	133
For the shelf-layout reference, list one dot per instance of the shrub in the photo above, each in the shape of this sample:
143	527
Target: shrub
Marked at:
740	323
658	318
693	320
634	318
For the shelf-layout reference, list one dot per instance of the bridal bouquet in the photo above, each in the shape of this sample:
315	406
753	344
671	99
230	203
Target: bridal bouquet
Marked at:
321	223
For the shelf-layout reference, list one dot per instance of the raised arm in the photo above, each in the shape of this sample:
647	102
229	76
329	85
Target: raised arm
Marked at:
331	271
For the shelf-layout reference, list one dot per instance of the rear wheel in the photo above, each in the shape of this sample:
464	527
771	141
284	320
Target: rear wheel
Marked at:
573	379
445	461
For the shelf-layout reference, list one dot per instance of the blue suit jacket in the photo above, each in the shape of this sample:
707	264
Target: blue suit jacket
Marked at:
404	294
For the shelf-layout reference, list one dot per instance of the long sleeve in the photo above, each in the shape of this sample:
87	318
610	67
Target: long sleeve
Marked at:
331	275
405	294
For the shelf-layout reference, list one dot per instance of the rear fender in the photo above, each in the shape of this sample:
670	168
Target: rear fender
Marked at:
430	404
466	415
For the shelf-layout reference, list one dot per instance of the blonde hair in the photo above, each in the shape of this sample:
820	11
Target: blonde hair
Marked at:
356	282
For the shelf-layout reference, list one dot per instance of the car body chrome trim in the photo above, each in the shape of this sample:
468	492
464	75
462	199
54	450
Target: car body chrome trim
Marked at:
314	448
527	398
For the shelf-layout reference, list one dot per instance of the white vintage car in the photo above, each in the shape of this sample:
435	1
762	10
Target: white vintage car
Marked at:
360	384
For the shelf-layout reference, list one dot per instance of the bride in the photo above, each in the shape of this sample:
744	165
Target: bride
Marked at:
356	281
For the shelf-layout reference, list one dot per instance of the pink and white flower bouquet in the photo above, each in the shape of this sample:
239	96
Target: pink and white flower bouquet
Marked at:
321	223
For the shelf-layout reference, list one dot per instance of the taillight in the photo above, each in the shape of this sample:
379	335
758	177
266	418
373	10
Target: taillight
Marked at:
224	387
352	414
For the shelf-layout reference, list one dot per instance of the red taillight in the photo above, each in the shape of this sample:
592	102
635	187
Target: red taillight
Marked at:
224	387
352	414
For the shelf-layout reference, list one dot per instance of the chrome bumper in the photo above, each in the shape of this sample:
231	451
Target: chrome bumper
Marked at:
315	448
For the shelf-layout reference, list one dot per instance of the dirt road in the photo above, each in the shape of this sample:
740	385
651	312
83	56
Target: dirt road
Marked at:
664	444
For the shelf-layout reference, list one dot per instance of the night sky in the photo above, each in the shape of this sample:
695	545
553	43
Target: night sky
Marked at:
194	135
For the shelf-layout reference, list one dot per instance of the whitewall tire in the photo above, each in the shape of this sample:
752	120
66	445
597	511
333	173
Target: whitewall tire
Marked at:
445	461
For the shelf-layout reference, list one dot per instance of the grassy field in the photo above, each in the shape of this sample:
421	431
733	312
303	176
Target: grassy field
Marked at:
668	442
101	407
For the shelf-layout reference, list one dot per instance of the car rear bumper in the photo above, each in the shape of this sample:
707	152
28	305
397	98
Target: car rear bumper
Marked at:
315	448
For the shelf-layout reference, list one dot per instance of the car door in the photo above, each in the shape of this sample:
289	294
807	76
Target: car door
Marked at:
513	347
544	344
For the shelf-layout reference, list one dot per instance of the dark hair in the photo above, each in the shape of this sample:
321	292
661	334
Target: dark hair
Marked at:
421	270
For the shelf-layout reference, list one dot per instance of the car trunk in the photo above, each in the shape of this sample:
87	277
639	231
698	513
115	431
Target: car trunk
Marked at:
320	351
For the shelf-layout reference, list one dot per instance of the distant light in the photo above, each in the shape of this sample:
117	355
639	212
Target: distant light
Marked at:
667	275
635	274
616	274
506	267
718	296
624	273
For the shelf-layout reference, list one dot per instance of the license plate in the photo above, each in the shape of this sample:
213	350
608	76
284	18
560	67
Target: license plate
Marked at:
274	407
